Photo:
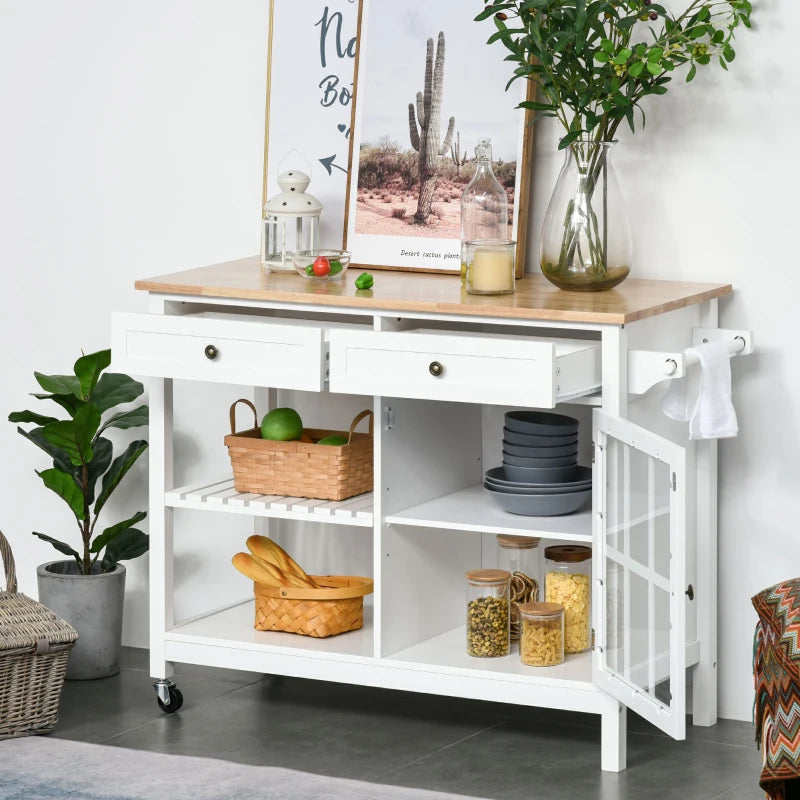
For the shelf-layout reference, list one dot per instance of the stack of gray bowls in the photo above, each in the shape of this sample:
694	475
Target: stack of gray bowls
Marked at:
540	475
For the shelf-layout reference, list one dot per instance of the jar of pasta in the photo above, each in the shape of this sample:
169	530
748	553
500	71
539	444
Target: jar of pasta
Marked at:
541	642
488	612
520	556
568	581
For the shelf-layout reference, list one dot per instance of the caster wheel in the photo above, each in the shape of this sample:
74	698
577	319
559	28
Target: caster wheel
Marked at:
175	701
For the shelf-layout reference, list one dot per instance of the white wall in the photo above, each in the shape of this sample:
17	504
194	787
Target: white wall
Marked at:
130	145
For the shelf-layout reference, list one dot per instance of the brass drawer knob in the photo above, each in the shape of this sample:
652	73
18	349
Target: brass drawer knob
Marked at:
436	369
211	352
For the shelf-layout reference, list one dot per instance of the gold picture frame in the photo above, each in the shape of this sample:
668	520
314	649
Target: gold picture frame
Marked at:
308	102
377	235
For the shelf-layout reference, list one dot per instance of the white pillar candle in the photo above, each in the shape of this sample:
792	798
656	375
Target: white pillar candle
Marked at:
492	270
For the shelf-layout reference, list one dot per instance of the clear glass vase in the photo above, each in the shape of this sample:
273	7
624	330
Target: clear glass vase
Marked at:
586	243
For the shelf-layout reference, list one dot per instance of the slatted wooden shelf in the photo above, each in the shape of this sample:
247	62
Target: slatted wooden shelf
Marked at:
222	496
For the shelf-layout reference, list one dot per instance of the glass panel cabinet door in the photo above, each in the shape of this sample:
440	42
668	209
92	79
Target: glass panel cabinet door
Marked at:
639	483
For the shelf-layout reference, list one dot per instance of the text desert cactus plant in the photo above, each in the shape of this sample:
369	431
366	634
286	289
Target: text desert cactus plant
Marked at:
455	150
426	140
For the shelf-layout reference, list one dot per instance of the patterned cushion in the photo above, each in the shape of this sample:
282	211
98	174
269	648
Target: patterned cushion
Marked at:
776	671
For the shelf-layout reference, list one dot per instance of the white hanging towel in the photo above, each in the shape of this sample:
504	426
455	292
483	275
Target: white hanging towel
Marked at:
703	396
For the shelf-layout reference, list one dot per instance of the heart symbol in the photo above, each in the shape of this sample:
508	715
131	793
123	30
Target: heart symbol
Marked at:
341	128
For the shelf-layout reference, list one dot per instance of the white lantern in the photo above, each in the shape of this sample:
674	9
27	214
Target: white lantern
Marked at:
290	222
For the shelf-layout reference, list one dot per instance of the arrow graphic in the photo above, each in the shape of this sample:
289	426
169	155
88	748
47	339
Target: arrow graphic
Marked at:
329	165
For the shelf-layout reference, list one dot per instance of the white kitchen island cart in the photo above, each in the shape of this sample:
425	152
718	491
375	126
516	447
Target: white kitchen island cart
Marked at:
439	368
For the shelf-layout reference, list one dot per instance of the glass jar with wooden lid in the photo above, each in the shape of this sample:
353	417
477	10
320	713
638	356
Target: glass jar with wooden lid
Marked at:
567	580
520	556
488	612
541	641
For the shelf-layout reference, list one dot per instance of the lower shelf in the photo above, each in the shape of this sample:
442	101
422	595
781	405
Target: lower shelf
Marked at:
448	652
227	638
233	628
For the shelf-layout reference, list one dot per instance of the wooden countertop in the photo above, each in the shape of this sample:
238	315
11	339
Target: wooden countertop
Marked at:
535	298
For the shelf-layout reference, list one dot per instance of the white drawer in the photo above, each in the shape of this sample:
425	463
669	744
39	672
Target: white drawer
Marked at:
253	353
473	368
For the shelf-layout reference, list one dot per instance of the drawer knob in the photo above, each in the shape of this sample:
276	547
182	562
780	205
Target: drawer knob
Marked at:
436	369
211	352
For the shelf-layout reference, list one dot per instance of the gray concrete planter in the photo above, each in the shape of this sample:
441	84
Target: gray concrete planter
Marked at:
92	604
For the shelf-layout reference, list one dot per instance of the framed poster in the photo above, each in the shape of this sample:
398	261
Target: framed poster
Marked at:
309	102
415	56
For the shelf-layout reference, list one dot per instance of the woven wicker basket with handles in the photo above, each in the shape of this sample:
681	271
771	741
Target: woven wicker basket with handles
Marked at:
298	469
34	649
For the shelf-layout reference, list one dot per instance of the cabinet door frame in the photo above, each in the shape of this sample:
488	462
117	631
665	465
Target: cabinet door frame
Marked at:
672	718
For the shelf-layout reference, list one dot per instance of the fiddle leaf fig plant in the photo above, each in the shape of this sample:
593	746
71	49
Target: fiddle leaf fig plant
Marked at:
82	456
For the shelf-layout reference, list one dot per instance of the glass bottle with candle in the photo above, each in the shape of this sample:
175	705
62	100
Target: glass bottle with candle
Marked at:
484	205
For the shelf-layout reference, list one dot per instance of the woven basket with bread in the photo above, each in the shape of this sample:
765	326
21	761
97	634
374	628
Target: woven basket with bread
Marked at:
289	600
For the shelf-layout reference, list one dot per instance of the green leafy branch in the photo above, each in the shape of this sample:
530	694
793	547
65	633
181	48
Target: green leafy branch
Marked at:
595	61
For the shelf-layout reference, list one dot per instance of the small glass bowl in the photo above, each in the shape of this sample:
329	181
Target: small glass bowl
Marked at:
304	259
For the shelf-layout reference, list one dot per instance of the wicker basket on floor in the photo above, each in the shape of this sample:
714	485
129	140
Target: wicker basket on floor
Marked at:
298	469
336	607
34	649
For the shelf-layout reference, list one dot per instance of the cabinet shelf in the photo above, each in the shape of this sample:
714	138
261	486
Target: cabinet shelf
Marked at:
233	628
473	510
222	496
448	652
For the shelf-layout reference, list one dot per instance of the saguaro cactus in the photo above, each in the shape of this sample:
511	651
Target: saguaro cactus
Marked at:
426	140
455	151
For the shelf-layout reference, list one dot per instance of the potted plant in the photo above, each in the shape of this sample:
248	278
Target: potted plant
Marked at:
88	589
594	62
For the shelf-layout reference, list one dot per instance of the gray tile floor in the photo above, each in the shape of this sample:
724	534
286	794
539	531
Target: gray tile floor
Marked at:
460	746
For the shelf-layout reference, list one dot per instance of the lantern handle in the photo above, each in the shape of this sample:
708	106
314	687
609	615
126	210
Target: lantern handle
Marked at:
295	150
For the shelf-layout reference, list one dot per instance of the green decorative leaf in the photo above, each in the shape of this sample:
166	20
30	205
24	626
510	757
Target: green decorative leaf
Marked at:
130	543
65	487
622	57
68	402
653	68
61	459
59	384
62	547
117	471
88	369
102	452
134	418
110	533
690	75
114	388
30	416
75	436
636	69
729	53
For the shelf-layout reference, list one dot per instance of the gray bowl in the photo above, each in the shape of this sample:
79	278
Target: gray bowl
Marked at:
542	475
539	463
541	505
527	440
518	488
522	478
527	451
541	423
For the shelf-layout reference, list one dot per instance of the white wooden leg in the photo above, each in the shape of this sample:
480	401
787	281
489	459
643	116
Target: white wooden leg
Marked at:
704	677
613	737
161	542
